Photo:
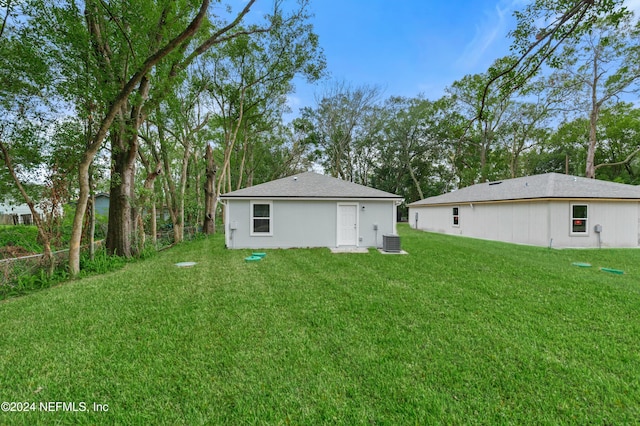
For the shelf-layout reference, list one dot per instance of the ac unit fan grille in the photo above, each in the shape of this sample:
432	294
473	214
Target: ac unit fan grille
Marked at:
391	243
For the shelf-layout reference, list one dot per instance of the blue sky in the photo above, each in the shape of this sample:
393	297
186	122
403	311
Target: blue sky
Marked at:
408	47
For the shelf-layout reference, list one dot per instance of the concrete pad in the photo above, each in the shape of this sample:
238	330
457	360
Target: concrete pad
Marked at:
185	264
392	252
349	249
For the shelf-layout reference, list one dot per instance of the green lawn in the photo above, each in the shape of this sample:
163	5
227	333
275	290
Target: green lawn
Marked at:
460	331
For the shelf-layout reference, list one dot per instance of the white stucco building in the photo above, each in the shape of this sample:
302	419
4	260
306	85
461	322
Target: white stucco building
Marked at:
12	213
308	210
545	210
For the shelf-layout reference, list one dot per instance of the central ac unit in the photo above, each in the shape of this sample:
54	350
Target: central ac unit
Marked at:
391	243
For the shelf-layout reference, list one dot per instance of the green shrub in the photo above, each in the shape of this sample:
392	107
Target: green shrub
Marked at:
27	281
101	263
20	236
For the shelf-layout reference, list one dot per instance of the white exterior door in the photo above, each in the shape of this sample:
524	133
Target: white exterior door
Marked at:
347	224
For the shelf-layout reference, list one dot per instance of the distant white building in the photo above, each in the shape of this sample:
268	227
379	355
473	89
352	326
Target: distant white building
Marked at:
12	213
544	210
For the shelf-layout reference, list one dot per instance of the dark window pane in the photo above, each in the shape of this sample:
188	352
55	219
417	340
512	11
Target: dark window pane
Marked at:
261	225
455	211
261	210
455	220
579	225
580	212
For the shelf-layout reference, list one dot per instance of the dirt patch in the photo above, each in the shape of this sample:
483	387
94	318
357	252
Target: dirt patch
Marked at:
9	252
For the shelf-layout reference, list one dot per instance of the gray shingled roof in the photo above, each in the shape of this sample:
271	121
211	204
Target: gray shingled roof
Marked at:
309	185
549	185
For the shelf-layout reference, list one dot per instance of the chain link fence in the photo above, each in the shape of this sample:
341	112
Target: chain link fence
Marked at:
24	272
15	271
31	270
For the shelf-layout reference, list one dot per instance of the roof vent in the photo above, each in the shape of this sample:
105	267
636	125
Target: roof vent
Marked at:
295	178
495	183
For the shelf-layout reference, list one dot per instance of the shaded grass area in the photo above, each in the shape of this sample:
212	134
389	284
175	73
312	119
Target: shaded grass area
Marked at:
459	331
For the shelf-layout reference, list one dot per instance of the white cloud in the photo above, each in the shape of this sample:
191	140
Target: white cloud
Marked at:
293	101
490	35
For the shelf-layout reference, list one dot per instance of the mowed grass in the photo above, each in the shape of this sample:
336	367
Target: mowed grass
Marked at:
460	331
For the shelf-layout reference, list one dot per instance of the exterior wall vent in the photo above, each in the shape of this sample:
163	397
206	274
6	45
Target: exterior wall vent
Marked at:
391	243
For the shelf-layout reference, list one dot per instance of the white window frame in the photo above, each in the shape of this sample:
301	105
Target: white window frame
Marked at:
453	215
586	220
251	217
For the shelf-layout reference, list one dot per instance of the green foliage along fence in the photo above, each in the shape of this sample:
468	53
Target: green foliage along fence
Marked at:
20	275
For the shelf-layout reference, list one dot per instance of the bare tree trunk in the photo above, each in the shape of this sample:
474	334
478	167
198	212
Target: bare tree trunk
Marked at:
78	218
179	230
251	171
209	226
154	223
92	203
92	226
415	181
42	234
241	170
245	147
590	169
198	186
144	202
170	192
124	151
515	156
121	236
483	153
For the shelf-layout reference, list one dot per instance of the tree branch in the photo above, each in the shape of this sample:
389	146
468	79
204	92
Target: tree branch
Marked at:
106	7
144	69
217	38
23	192
6	18
545	48
625	161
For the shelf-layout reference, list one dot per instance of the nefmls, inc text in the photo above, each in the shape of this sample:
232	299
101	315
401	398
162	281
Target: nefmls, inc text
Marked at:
54	406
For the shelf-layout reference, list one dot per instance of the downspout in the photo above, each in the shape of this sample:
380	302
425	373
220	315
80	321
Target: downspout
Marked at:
395	204
228	233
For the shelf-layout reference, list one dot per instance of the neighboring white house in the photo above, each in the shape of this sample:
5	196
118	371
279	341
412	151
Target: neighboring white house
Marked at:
544	210
12	213
308	210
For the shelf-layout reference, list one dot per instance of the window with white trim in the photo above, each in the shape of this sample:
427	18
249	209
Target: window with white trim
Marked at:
456	216
261	218
579	219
